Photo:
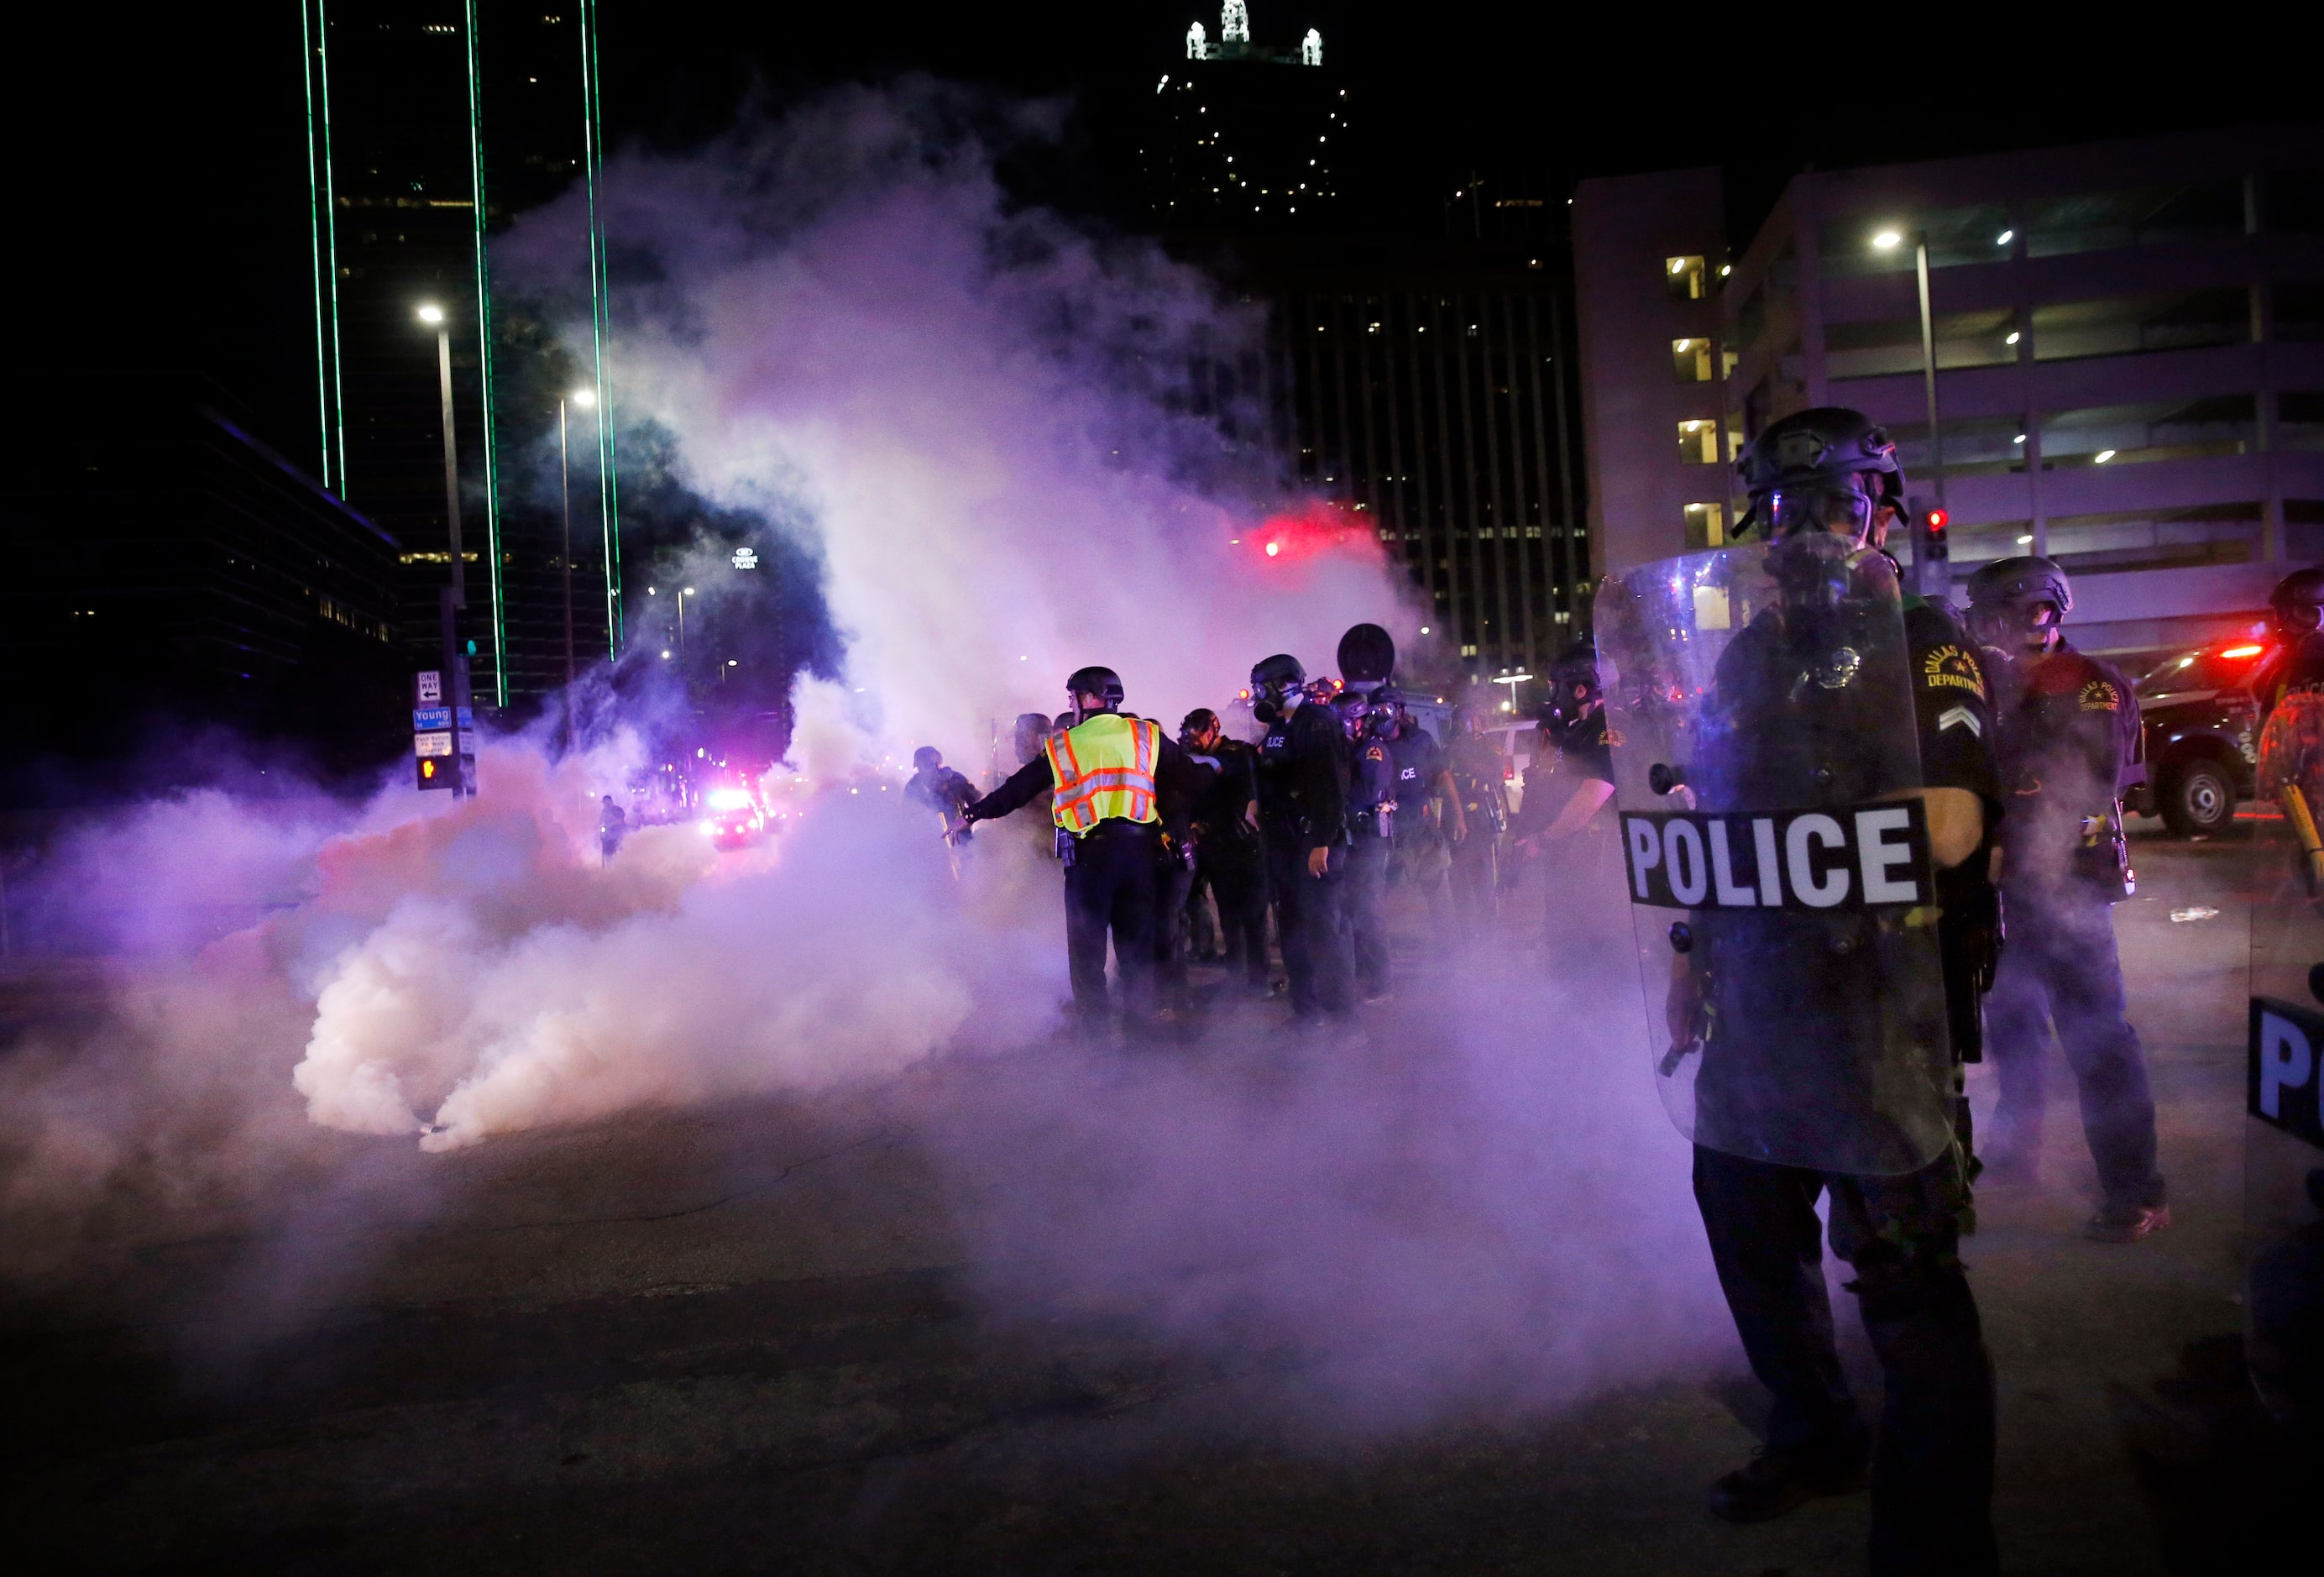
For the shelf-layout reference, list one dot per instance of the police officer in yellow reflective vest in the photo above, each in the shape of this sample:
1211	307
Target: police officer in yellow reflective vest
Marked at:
1107	776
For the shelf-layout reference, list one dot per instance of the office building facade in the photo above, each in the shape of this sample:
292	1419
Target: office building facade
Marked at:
1429	391
171	572
2129	341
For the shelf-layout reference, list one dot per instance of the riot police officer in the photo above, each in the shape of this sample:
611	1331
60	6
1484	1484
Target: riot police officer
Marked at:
2296	620
1303	820
1781	702
1561	821
2068	740
939	788
1227	857
1428	816
1476	769
1107	775
1369	720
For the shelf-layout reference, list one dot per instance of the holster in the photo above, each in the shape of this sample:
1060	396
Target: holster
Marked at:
1065	848
1972	931
2102	858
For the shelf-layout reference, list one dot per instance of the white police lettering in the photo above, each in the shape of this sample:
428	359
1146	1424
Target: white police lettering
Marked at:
1771	875
1731	895
1646	853
1854	857
1877	853
1682	858
1798	860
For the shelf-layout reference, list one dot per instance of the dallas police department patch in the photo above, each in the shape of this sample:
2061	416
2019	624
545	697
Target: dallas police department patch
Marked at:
2100	695
1951	666
1848	857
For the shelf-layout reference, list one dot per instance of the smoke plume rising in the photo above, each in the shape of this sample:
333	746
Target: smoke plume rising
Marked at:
1000	441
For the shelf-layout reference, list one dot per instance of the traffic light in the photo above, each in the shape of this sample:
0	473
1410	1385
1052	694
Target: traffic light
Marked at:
1932	533
436	772
1932	553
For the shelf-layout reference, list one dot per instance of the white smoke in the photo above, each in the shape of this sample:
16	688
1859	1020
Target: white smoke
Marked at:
981	424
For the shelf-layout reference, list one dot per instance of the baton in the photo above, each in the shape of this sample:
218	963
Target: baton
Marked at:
2303	827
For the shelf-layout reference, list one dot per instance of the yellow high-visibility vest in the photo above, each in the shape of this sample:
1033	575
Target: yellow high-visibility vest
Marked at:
1104	770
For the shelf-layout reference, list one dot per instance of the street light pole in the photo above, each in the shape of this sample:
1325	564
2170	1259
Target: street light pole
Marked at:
455	594
1929	366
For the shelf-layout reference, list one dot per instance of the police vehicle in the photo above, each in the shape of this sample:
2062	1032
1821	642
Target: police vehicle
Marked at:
2200	721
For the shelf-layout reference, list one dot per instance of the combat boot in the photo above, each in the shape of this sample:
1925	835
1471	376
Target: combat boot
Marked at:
1774	1483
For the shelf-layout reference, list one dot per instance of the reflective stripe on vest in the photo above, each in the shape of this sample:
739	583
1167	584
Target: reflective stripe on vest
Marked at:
1104	771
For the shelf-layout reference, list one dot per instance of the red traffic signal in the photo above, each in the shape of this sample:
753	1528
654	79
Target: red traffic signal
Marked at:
436	772
1932	544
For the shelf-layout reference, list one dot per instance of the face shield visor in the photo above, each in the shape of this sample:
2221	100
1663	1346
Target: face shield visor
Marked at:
1824	509
2296	620
1570	702
2010	626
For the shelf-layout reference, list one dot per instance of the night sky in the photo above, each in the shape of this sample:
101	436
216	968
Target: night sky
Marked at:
160	188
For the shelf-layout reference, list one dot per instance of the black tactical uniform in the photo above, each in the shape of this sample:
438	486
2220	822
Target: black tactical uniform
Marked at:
1476	769
1373	810
1418	858
1302	808
1227	857
1785	988
2068	738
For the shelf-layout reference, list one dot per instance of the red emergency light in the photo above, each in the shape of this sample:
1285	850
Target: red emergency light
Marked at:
1315	527
2243	651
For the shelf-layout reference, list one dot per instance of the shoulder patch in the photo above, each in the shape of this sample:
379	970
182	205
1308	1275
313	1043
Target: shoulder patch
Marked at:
1954	667
2100	695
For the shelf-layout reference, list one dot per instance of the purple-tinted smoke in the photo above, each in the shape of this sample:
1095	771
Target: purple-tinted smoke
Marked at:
981	422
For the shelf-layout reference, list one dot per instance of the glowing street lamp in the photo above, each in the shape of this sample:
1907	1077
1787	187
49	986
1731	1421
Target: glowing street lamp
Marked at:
1888	240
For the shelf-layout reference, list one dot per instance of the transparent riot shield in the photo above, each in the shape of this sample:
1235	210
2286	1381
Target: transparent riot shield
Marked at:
1767	762
2283	1142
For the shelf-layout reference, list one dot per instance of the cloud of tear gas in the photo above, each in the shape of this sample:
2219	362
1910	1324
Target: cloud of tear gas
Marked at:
1006	446
1017	449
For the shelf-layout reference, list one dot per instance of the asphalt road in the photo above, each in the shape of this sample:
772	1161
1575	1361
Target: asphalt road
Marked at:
827	1336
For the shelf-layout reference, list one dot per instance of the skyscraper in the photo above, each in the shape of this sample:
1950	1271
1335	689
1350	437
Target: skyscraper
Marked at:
426	134
1246	133
1421	381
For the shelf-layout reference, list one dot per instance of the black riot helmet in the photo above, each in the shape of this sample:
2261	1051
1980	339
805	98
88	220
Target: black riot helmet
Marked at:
1276	676
1102	682
1828	469
2296	606
1574	691
1384	712
927	757
1367	655
2016	602
1032	734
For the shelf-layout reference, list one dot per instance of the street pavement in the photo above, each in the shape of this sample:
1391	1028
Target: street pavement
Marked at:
801	1336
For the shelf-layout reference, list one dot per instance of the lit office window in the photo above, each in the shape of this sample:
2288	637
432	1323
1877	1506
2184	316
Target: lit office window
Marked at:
1682	276
1698	442
1706	526
1691	360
